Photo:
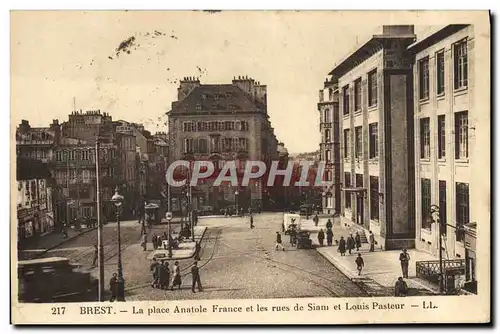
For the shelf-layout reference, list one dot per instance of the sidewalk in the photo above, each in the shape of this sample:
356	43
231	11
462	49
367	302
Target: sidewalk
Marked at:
186	250
382	268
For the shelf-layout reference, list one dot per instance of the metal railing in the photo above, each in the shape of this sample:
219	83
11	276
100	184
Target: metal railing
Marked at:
429	270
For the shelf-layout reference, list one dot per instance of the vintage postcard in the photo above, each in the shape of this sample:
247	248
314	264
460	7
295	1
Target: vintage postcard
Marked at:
250	167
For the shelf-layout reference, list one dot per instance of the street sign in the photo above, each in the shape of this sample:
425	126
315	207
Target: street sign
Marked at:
168	216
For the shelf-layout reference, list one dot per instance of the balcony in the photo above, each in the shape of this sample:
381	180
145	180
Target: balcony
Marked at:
325	125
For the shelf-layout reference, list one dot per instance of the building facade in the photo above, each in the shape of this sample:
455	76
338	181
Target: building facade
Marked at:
329	127
448	152
220	123
376	136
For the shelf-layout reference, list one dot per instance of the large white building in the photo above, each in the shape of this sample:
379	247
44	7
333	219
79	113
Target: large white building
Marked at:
448	147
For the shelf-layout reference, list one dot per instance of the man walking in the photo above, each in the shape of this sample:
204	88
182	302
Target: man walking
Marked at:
372	242
342	246
329	224
359	263
315	220
154	240
350	243
195	272
357	240
329	237
96	255
321	237
278	242
251	222
404	258
113	287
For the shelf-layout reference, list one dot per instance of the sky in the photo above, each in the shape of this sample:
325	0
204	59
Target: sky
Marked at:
65	58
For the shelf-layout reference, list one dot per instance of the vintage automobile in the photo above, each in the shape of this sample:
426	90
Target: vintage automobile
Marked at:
303	240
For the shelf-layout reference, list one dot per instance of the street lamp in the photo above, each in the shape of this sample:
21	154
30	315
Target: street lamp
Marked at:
117	199
434	209
236	202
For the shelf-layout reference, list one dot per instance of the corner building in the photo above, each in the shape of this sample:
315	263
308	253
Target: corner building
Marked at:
451	140
377	140
219	123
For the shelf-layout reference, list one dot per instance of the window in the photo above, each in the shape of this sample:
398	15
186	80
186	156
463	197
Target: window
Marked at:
425	138
460	64
326	113
347	181
358	142
327	136
359	180
85	176
214	144
345	92
347	142
243	144
423	68
462	193
442	206
461	135
202	145
441	137
188	145
426	203
357	95
440	73
374	201
373	128
227	144
372	88
328	155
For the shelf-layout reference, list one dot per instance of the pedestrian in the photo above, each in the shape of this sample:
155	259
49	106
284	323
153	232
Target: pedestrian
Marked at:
195	272
342	246
249	210
329	237
113	287
321	237
96	255
283	227
359	263
372	242
166	277
176	279
144	242
225	213
152	268
404	258
278	242
357	240
161	273
159	241
251	222
329	224
315	220
400	288
350	243
154	240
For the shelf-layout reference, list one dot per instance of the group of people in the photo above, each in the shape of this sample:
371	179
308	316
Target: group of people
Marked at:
350	244
164	278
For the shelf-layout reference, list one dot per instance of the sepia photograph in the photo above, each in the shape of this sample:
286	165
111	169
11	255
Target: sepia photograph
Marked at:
217	166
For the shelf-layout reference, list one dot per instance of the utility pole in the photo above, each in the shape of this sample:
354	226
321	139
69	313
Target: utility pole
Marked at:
100	246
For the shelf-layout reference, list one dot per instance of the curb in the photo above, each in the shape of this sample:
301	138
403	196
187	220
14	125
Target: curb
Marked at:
186	257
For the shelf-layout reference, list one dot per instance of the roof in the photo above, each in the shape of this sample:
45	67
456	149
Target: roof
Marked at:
217	97
435	36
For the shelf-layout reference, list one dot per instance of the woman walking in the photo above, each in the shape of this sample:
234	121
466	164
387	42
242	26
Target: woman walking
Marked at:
176	280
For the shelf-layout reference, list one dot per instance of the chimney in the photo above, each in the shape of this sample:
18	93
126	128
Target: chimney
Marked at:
186	87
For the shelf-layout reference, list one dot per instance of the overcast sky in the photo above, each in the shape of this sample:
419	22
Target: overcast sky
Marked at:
56	56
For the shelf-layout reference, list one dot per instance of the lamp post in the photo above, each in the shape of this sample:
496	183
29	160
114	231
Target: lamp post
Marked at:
435	210
117	199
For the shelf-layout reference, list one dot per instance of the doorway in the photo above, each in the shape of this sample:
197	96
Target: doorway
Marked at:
359	210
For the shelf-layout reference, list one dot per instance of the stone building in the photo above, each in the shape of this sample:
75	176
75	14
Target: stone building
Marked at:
37	143
376	126
75	173
328	107
35	200
450	134
221	122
